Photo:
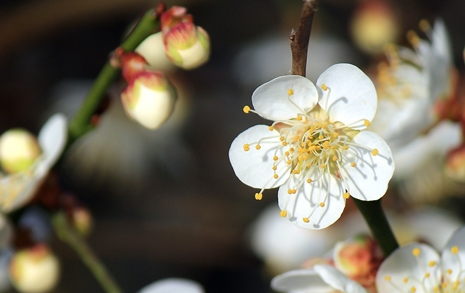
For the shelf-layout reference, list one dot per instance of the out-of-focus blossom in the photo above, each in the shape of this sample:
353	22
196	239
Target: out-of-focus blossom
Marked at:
373	25
417	267
18	188
18	150
173	285
149	98
186	45
315	150
34	270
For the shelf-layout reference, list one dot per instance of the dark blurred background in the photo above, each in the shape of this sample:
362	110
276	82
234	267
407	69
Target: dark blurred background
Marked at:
187	215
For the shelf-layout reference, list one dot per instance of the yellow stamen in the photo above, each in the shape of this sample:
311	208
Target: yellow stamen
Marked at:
309	180
246	147
366	123
324	87
283	213
334	158
432	263
387	278
405	280
374	152
416	251
275	176
322	204
258	196
271	128
306	220
346	195
299	117
449	271
413	289
258	147
353	164
454	249
290	92
275	158
246	109
323	166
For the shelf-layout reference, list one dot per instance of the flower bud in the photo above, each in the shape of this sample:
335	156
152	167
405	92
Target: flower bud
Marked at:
153	50
18	150
358	258
34	270
455	164
132	63
149	98
186	45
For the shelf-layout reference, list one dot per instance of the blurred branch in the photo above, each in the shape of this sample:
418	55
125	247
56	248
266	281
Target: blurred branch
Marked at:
300	38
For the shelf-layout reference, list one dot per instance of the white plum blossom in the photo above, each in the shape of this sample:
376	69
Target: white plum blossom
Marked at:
419	268
17	189
316	150
320	278
173	285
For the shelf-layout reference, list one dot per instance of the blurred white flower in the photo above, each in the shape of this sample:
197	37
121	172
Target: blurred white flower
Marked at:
18	188
173	285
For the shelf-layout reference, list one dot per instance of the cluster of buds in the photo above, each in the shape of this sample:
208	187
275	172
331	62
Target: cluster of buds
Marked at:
149	97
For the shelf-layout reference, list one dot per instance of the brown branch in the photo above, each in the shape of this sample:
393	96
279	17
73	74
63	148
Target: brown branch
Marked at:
299	39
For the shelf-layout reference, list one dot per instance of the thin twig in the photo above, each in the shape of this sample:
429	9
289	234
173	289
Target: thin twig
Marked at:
299	39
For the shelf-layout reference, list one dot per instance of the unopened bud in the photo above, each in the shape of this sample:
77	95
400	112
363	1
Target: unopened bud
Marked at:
18	150
186	45
149	98
131	64
34	270
153	50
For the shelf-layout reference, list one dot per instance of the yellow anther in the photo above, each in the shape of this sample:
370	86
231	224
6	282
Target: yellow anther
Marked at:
387	278
454	249
353	164
289	191
413	289
290	92
335	135
246	109
296	138
375	152
405	280
271	128
309	180
424	25
436	289
449	271
320	137
246	147
444	285
324	87
322	204
366	123
295	171
427	275
283	213
286	153
275	158
275	176
299	117
258	196
334	158
291	150
346	147
432	263
284	143
274	168
306	220
288	162
258	147
413	38
323	166
346	195
281	138
416	251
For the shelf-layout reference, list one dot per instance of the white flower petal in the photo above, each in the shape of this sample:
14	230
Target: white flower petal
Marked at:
172	285
52	140
351	96
402	270
271	99
453	256
300	281
327	189
338	280
369	179
253	167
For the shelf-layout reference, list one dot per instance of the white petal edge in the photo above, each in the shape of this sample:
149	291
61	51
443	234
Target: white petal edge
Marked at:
338	280
253	167
454	261
52	139
272	102
369	179
306	202
403	264
300	281
351	96
172	285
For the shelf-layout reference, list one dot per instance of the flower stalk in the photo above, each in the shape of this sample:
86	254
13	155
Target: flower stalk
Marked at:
373	214
69	235
80	124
